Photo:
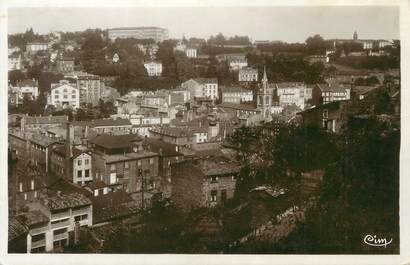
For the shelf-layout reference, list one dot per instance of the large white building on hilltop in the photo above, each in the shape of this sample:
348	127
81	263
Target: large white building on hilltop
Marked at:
64	95
33	47
153	68
191	52
155	33
368	44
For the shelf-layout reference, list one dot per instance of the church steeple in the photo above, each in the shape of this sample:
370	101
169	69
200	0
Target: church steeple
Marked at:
264	97
355	37
264	80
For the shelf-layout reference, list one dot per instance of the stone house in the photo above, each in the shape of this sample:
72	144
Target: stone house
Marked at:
207	182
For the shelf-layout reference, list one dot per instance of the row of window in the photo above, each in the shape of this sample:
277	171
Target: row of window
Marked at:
214	195
243	95
214	179
127	165
31	185
79	218
34	195
86	173
335	94
38	147
64	96
86	162
249	76
64	91
212	86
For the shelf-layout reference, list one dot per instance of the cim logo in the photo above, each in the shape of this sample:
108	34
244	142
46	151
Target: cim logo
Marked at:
376	242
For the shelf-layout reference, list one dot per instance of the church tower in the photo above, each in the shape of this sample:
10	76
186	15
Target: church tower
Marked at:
264	97
355	36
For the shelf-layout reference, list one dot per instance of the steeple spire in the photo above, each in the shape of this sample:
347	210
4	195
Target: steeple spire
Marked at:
264	80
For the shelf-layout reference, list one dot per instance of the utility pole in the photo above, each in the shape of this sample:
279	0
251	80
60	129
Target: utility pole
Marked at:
142	188
67	152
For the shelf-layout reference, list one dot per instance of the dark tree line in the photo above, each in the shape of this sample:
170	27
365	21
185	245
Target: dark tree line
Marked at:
360	191
282	68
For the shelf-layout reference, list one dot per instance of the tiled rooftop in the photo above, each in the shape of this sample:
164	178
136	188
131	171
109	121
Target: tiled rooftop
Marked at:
249	107
45	119
115	141
128	156
206	80
27	83
211	167
289	84
234	89
174	131
33	218
61	150
16	229
103	122
168	149
43	140
61	202
335	88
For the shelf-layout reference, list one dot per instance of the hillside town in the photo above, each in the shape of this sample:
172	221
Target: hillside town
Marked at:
125	140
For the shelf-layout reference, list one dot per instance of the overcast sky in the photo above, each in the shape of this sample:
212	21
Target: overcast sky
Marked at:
291	24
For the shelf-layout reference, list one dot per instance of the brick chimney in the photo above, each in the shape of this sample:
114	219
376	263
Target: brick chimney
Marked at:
68	152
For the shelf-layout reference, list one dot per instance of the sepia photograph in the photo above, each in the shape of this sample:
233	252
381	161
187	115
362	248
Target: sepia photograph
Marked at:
203	130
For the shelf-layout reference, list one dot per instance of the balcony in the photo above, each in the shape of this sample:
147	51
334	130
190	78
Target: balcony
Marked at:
39	230
39	243
60	224
60	236
81	211
61	215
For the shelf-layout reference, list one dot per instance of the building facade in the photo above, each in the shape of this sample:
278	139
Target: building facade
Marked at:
326	93
41	122
153	68
155	33
237	64
202	87
33	47
248	74
124	162
236	95
203	183
191	52
292	93
59	215
80	164
65	65
90	87
14	62
64	95
329	116
26	88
